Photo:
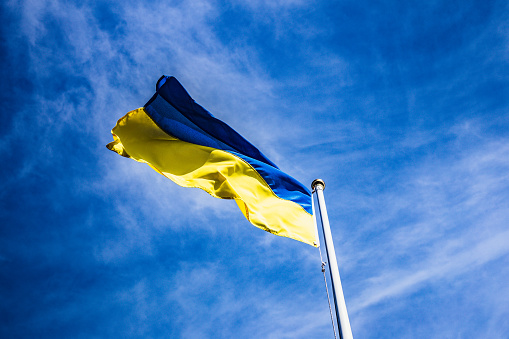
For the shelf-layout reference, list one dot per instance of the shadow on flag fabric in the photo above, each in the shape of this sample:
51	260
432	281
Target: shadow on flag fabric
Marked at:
184	142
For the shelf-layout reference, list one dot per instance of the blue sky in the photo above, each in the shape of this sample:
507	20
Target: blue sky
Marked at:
402	107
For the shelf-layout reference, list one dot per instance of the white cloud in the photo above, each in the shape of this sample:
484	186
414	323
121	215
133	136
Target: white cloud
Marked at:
444	218
446	264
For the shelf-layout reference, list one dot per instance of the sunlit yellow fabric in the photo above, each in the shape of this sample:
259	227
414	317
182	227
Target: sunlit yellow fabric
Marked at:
220	173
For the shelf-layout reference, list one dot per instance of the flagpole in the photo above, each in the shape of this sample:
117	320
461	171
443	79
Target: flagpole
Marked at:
345	331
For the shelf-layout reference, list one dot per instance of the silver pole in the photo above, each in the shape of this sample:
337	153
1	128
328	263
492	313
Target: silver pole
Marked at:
345	331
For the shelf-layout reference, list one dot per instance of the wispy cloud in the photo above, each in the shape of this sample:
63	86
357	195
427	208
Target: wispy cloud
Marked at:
446	264
444	218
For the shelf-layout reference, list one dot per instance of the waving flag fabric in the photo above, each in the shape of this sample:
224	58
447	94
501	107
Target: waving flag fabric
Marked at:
181	140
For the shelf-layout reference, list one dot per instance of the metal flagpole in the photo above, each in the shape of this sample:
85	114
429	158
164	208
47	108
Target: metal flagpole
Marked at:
345	332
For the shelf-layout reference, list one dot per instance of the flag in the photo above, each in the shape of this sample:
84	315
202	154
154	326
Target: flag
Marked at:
182	141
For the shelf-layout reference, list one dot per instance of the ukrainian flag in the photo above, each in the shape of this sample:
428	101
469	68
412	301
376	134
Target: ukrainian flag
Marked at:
181	140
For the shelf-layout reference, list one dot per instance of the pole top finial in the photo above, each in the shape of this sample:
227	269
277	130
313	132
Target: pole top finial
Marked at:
317	182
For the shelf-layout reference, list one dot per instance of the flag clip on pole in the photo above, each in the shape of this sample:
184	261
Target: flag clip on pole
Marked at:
345	331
